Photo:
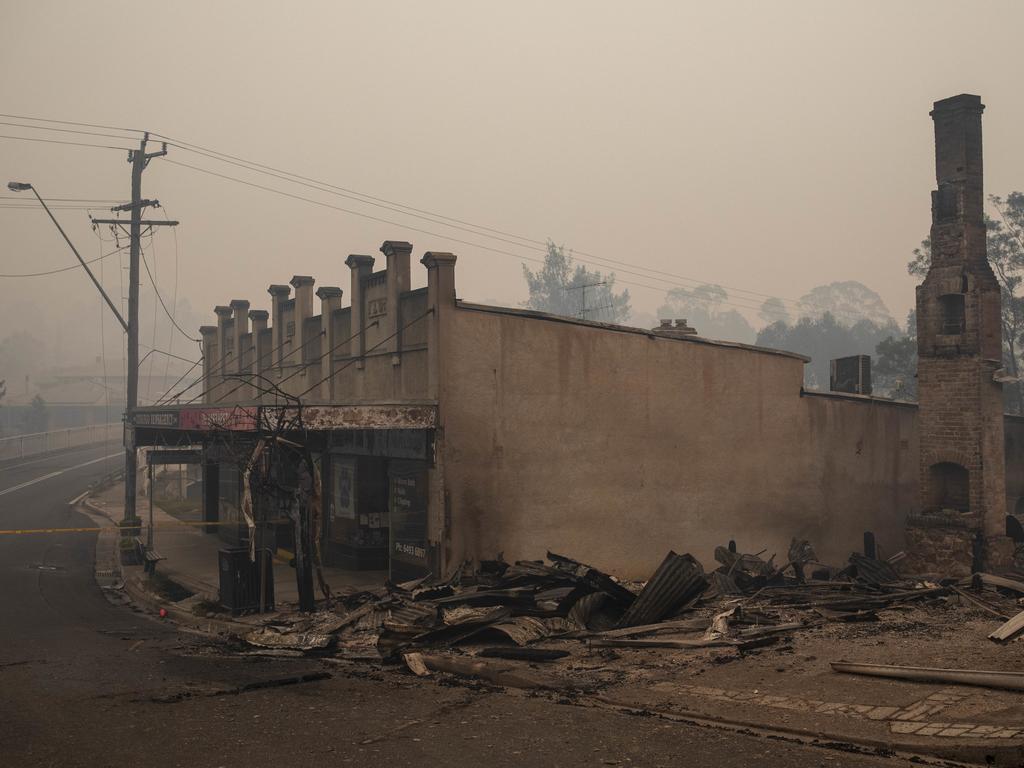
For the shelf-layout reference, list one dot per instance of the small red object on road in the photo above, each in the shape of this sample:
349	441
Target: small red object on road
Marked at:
163	613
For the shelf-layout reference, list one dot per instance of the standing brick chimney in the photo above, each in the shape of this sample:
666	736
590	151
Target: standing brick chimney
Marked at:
962	523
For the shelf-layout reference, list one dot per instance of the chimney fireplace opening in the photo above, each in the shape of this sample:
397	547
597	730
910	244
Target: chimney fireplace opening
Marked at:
950	487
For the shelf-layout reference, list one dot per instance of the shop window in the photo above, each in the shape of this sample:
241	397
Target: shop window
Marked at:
949	486
952	313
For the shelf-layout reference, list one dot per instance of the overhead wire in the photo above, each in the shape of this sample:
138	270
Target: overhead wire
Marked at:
660	288
427	215
65	199
406	210
69	143
323	204
73	122
65	130
64	269
174	297
363	354
181	378
213	369
103	347
161	300
156	313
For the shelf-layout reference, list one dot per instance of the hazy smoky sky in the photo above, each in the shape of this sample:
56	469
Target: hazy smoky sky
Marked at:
764	146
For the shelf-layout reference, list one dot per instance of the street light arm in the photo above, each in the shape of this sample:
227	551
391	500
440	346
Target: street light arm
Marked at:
80	259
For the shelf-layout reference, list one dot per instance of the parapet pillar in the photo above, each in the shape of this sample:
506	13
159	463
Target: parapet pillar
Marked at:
362	268
330	302
397	254
278	295
211	358
226	346
441	302
259	349
303	285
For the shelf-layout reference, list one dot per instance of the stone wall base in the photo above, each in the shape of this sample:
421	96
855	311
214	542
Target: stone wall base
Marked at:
951	544
939	550
1001	554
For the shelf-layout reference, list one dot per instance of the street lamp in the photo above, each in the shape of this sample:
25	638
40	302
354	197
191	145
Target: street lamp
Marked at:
22	186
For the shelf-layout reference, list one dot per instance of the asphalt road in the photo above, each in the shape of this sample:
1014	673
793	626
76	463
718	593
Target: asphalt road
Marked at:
84	682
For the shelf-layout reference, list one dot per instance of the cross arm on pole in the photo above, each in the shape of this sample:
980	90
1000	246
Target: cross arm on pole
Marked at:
142	223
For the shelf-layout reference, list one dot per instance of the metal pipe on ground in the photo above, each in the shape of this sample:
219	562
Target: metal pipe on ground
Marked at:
1011	681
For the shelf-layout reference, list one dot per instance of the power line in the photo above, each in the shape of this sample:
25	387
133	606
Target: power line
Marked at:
72	122
174	297
321	203
70	143
152	245
66	199
406	210
64	130
65	269
161	298
387	204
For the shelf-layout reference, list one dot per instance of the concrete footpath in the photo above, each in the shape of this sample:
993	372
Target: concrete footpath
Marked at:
191	562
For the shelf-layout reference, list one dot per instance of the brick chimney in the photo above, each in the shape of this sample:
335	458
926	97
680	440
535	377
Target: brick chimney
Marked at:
959	336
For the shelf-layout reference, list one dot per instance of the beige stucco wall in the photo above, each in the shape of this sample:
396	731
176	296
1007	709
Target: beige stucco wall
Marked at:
614	447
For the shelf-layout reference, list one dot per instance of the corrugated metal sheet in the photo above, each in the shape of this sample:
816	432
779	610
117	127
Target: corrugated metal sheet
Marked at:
678	579
871	571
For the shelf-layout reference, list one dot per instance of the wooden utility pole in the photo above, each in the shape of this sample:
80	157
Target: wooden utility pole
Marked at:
139	160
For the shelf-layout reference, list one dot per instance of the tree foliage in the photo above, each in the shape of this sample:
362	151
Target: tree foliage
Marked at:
562	287
894	368
773	310
705	308
847	301
822	339
1006	255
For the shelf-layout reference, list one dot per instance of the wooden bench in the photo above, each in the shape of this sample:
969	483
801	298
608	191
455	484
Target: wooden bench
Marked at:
150	557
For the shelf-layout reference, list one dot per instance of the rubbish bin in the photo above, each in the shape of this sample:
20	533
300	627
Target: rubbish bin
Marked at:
240	580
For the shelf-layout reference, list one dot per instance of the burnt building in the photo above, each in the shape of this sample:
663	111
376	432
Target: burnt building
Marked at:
962	520
443	431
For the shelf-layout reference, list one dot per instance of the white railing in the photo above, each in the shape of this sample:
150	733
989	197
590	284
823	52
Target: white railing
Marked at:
20	446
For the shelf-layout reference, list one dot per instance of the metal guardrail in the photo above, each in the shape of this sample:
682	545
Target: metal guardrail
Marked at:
20	446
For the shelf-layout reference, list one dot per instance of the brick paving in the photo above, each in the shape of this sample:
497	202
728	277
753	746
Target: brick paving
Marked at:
910	719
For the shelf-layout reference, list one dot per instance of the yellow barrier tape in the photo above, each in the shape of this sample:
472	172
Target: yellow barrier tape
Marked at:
144	526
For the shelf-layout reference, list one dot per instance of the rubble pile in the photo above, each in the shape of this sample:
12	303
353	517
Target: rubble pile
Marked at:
542	611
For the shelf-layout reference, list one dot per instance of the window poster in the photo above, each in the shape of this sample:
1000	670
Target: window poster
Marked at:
343	488
408	506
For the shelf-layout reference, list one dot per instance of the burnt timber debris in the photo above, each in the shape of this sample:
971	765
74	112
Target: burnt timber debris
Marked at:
496	622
